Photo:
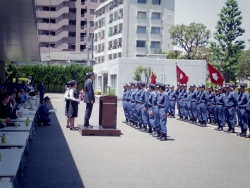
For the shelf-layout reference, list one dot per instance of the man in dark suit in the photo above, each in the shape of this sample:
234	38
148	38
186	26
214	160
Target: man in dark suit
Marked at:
44	112
4	113
89	98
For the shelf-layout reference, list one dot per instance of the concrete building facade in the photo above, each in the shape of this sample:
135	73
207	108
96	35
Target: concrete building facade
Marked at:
132	28
118	71
63	25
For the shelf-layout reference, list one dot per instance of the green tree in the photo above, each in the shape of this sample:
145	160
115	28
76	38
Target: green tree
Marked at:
244	65
175	54
190	37
228	48
138	73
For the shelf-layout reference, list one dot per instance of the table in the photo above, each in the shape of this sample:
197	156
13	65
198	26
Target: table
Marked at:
15	139
6	185
22	127
11	160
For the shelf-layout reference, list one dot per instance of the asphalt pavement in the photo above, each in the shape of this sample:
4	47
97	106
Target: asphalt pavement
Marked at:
193	157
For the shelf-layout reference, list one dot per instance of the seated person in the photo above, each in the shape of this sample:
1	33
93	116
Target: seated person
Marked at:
5	98
18	98
11	106
23	96
44	113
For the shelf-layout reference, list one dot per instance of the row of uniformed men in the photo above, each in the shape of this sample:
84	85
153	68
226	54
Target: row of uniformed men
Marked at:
194	105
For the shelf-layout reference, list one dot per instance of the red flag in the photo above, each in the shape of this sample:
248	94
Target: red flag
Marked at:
215	76
182	78
153	79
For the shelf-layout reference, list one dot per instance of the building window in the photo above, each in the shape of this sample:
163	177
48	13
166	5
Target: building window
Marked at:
93	0
99	81
155	44
156	2
141	15
156	15
138	55
155	30
91	23
102	1
92	11
142	1
113	80
141	29
140	43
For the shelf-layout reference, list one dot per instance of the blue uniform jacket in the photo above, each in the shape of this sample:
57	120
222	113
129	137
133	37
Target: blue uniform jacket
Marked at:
185	95
172	95
124	96
43	110
163	101
138	95
220	99
133	94
211	97
150	98
193	96
230	99
243	99
144	97
203	97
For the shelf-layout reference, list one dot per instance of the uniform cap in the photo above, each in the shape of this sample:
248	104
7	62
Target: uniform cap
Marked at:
184	85
172	86
221	88
125	84
242	86
162	86
151	85
143	84
73	82
68	83
132	83
167	85
157	84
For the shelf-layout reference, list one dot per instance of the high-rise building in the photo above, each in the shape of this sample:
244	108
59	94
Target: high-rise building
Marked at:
132	28
64	25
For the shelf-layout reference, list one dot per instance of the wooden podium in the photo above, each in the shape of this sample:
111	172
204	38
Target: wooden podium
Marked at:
107	119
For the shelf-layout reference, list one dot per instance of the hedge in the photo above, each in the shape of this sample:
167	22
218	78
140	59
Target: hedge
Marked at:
54	76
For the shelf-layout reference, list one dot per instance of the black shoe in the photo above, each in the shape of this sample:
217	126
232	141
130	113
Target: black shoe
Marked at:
164	137
228	130
220	129
67	126
88	126
149	130
46	124
244	134
232	131
157	134
74	129
144	129
239	134
248	136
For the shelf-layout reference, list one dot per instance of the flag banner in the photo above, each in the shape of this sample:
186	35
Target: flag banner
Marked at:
153	79
215	76
182	78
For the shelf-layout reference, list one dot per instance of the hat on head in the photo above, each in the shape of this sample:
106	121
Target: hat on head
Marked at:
46	98
167	85
68	83
142	83
242	86
210	87
172	86
157	84
193	85
162	86
221	88
226	85
203	86
132	83
184	85
151	85
125	84
73	82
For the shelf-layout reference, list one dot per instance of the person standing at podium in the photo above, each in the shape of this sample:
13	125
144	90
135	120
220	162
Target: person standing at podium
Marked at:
89	98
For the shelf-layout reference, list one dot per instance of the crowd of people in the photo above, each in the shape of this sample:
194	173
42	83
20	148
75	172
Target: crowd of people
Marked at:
13	96
148	109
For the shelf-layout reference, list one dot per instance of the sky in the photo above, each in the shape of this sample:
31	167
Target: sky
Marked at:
206	12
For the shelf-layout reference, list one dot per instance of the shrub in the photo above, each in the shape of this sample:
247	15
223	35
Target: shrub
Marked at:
97	92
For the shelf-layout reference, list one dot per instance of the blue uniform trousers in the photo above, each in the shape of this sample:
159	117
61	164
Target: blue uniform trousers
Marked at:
150	117
216	113
172	108
204	114
185	108
211	111
243	118
221	115
189	109
144	116
156	118
193	110
41	97
132	111
181	108
178	107
163	121
138	114
198	111
125	109
230	116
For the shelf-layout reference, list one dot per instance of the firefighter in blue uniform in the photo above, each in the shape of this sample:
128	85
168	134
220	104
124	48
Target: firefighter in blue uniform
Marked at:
189	104
137	112
124	102
203	105
144	106
210	104
172	98
193	103
198	110
163	105
179	102
150	108
133	104
155	113
177	92
184	105
220	109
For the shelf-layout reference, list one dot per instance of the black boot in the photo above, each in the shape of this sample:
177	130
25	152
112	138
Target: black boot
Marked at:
159	135
219	128
144	129
149	130
228	130
153	131
244	134
232	131
164	137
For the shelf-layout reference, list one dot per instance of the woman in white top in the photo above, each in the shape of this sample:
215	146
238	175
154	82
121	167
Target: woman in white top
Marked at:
73	106
67	100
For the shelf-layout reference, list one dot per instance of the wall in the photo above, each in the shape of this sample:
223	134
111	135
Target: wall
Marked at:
164	69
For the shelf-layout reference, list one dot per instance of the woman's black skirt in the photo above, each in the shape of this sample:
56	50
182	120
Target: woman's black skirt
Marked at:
73	109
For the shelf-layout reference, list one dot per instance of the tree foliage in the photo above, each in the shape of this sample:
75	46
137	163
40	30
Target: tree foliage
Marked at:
175	54
146	71
190	37
50	74
227	49
244	65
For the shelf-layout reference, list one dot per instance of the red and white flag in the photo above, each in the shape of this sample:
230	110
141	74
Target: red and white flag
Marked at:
182	78
215	76
153	79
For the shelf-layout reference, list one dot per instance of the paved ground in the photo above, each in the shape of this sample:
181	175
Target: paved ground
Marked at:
195	157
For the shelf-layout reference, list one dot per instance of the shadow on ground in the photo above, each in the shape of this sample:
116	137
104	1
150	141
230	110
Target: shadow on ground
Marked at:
50	163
